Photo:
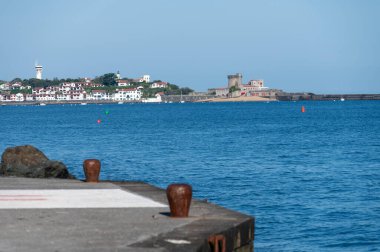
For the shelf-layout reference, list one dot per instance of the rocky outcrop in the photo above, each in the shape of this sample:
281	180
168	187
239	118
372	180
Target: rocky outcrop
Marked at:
28	161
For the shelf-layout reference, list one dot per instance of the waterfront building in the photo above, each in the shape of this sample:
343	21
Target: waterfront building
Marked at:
259	84
38	72
127	94
45	97
78	95
99	95
157	98
29	97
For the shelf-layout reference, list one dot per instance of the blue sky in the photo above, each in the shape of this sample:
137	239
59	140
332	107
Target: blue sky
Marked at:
321	46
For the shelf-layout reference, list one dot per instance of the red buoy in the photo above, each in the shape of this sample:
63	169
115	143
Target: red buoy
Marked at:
303	109
99	121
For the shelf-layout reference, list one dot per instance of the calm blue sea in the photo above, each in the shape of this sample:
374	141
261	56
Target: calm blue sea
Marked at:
312	179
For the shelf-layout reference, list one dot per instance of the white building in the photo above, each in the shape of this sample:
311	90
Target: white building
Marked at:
38	91
29	97
45	97
5	86
160	84
99	95
16	85
25	87
146	78
20	97
258	84
128	94
158	98
123	83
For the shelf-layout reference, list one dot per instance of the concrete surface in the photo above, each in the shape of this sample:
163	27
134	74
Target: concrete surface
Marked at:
123	225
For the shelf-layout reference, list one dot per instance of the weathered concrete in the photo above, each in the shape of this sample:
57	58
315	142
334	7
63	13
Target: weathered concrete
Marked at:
117	229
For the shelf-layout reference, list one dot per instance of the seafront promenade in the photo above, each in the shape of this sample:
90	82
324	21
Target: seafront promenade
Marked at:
71	215
191	98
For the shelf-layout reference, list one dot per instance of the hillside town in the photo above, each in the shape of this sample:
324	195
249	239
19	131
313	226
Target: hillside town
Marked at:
111	87
87	89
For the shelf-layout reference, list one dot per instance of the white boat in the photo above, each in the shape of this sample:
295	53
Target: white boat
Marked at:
83	103
42	104
120	102
342	99
181	101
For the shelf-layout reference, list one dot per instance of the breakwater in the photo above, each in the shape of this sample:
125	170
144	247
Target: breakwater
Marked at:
325	97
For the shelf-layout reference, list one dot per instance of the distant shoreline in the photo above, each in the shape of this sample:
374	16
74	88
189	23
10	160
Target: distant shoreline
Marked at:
238	99
205	99
76	102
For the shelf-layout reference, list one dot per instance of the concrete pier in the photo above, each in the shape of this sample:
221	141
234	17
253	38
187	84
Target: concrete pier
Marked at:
71	215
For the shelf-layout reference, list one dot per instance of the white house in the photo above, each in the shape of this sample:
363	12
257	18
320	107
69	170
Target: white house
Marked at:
38	90
123	83
156	99
128	94
78	95
146	78
29	97
25	87
20	97
5	86
256	84
99	95
45	97
16	85
159	84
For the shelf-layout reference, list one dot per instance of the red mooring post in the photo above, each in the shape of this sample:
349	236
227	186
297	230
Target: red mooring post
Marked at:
179	197
91	169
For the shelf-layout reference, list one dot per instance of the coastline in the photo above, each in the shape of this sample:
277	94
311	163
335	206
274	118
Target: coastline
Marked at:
75	102
239	99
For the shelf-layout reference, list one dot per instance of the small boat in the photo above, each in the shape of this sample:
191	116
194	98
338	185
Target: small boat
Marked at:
83	103
120	102
42	104
342	99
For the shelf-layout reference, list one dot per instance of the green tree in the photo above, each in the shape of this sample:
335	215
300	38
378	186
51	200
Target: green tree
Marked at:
108	79
16	80
233	89
186	90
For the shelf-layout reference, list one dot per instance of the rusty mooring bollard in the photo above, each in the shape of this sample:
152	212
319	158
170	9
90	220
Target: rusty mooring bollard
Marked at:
91	169
179	197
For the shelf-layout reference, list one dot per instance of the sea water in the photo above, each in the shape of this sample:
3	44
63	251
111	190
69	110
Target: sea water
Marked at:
311	179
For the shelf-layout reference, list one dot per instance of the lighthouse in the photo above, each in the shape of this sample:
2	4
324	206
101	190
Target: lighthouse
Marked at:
38	72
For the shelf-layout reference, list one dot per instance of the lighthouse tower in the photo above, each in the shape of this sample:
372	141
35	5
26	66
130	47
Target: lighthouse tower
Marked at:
38	72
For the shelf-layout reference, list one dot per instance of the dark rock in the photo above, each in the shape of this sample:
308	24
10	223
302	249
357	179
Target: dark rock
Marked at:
28	161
